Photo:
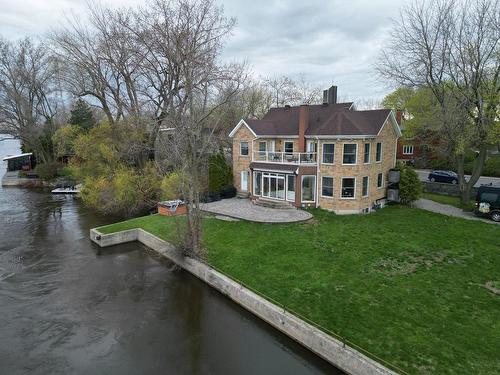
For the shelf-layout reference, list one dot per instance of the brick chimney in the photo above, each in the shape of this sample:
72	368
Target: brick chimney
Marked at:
303	125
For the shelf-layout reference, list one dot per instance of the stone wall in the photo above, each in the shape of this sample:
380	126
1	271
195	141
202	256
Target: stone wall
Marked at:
324	345
445	189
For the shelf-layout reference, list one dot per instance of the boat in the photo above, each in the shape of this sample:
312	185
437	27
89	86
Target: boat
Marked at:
66	187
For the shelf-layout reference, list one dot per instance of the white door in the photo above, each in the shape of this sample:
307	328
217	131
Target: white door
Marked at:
244	180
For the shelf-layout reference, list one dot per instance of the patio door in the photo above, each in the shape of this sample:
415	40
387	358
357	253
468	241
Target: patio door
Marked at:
244	180
273	186
290	187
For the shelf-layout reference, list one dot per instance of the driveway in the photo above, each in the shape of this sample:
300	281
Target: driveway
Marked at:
445	209
483	180
246	210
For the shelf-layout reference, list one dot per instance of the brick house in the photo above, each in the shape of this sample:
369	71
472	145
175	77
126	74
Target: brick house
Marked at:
415	149
329	156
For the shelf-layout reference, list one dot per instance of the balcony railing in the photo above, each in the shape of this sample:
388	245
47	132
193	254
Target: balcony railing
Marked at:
285	157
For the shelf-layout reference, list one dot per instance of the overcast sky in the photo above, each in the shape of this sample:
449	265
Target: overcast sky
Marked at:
328	41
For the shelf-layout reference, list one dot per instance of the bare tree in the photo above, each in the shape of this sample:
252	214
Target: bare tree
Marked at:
452	47
197	33
28	103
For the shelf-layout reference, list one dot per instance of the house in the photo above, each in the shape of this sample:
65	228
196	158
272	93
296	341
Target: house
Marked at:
417	150
330	156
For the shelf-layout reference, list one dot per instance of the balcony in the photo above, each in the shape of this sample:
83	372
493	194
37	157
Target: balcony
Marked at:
299	158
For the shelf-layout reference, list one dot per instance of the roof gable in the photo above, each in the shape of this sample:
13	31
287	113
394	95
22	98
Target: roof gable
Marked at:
238	126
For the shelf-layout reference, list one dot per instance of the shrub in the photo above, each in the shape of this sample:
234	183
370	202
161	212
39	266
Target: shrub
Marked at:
220	173
48	171
410	187
171	186
128	192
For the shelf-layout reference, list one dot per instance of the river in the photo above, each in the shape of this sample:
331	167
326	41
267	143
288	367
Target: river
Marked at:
67	307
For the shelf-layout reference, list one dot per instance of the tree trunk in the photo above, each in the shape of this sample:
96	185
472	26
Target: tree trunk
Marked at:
466	186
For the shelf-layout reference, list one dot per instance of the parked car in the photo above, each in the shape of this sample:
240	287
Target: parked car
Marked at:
488	202
443	176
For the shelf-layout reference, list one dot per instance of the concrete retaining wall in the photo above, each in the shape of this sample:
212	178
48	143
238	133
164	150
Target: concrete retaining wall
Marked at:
327	347
445	189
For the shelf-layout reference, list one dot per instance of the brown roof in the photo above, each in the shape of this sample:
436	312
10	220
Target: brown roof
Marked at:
333	119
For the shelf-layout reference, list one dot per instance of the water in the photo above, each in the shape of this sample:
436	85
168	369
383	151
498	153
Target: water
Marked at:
67	307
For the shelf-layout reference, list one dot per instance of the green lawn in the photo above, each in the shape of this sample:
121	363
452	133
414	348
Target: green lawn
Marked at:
405	284
447	199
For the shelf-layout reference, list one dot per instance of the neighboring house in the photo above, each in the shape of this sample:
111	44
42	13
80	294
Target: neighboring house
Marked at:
330	156
416	150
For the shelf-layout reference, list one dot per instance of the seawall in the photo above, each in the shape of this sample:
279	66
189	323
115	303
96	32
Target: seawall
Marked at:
332	350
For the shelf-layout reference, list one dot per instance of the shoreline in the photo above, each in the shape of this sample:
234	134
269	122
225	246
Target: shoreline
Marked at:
327	347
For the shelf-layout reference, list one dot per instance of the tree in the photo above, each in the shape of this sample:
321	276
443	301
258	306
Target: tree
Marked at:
452	48
82	115
200	28
28	94
410	187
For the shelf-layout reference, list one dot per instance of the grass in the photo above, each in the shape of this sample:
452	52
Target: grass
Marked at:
447	199
405	284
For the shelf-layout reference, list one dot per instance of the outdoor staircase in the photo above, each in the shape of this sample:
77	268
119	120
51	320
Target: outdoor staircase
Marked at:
272	203
242	194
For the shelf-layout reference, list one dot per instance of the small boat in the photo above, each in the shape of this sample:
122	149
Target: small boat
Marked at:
67	187
66	190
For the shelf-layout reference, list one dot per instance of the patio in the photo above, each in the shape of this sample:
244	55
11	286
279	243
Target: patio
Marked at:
246	210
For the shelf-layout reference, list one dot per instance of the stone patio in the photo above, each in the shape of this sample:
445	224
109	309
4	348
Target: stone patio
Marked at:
246	210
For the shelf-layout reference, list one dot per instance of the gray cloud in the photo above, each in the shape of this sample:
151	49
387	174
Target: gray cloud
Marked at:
329	41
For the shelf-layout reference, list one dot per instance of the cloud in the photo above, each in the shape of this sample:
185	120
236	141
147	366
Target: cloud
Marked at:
329	41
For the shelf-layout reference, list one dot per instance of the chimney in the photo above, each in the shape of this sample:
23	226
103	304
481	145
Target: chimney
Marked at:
303	125
330	95
325	96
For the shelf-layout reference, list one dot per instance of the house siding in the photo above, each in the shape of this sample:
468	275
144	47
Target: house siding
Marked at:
340	205
242	163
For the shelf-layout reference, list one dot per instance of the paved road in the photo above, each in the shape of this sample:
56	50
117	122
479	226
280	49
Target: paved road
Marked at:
424	173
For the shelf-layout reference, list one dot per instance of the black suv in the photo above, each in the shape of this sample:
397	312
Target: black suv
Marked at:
488	202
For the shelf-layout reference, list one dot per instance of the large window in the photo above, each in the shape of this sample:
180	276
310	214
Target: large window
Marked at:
244	148
350	153
366	158
378	156
365	186
327	186
289	147
328	153
308	188
380	180
408	150
348	187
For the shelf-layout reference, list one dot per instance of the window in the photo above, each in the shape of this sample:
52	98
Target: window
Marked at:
378	156
365	186
308	188
366	158
408	150
380	180
257	183
328	153
327	186
262	147
348	187
289	147
350	153
244	148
